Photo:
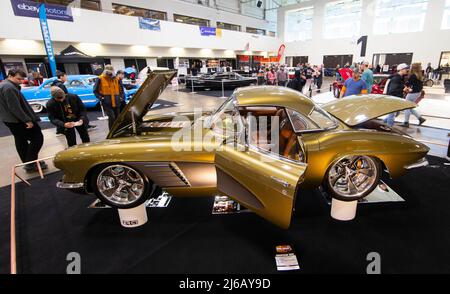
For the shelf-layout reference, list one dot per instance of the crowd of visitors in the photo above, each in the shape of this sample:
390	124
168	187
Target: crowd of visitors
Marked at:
67	112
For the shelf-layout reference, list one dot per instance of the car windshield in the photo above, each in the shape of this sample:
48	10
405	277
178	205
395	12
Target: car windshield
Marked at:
226	119
90	81
318	119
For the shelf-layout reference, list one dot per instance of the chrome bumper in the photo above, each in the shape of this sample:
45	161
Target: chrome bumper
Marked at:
63	185
420	163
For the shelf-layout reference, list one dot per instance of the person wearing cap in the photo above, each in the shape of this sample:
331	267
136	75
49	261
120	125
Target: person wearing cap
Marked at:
354	85
67	113
367	76
109	90
396	87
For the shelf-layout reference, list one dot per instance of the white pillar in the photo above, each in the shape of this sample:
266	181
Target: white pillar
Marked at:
343	210
133	217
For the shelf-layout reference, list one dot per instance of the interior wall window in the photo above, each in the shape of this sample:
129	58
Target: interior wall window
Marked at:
255	31
191	20
228	26
138	63
393	16
165	62
342	19
84	4
136	11
446	19
299	23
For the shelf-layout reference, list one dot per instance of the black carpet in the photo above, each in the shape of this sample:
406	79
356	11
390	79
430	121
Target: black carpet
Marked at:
411	237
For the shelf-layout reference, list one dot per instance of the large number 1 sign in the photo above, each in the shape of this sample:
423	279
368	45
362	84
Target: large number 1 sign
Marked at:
363	42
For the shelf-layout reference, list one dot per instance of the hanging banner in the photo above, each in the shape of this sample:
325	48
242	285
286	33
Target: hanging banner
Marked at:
149	24
31	9
281	52
207	31
46	38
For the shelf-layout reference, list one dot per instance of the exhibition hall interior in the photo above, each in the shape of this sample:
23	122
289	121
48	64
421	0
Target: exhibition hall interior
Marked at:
258	137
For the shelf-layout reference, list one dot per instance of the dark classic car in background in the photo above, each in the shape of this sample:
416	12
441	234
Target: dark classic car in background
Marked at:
340	146
230	81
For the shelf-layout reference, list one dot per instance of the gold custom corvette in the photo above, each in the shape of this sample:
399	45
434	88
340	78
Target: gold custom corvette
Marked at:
340	146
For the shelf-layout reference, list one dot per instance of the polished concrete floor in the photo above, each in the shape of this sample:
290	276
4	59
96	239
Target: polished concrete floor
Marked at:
434	133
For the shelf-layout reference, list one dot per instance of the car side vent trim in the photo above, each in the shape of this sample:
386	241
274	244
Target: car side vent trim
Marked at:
179	173
164	174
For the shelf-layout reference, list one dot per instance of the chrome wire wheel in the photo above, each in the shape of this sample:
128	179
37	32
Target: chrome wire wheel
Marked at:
353	177
120	185
37	108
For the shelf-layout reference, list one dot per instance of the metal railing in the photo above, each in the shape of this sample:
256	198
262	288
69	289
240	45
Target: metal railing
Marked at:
13	243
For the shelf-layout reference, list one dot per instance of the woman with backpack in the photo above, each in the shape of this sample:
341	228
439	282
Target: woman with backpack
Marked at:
414	92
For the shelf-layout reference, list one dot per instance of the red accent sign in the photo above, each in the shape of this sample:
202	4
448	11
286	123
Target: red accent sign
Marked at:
244	58
281	52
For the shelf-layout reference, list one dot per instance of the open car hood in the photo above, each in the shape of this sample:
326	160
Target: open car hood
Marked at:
355	110
141	102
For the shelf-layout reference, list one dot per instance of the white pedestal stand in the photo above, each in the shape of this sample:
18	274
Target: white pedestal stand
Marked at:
343	210
133	217
103	117
223	91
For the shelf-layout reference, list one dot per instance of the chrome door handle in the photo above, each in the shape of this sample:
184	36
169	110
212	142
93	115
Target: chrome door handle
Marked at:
280	181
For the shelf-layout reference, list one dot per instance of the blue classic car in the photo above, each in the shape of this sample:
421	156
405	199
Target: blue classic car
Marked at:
82	85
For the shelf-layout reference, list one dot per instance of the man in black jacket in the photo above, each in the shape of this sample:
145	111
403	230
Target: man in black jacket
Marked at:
61	79
67	113
396	87
19	117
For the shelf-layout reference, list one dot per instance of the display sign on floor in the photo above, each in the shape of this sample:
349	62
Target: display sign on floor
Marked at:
285	258
161	201
225	205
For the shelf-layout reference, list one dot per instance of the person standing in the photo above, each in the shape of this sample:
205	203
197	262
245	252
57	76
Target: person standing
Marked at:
282	76
109	90
378	69
319	77
309	79
121	75
396	88
296	83
429	71
67	113
30	77
61	79
271	77
19	117
354	85
367	76
414	91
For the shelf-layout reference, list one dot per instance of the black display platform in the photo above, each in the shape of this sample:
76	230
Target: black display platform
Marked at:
411	236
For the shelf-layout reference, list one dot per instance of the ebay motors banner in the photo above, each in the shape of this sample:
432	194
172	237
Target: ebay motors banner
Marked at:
31	9
47	40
